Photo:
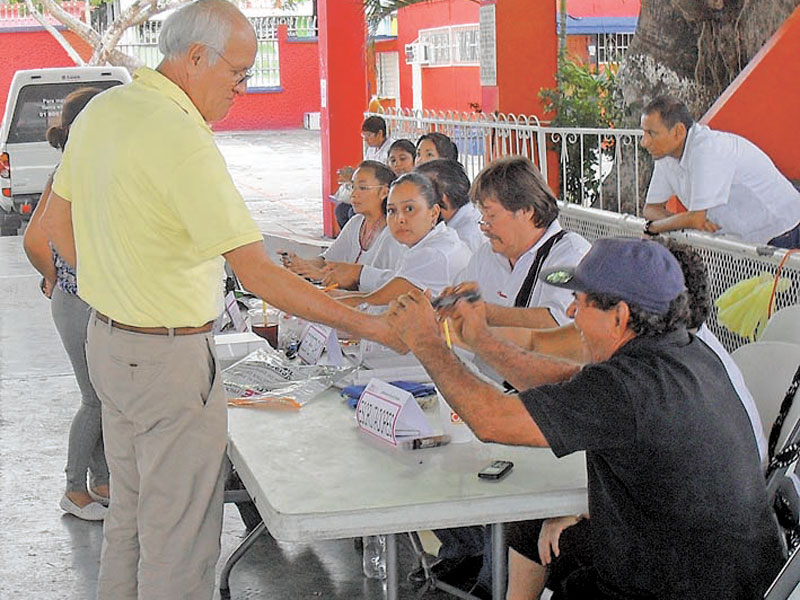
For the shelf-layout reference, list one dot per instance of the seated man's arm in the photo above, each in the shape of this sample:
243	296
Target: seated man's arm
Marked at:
57	223
289	293
511	316
492	415
564	341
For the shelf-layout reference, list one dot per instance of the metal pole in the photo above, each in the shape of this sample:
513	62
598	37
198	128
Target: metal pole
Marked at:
392	592
498	561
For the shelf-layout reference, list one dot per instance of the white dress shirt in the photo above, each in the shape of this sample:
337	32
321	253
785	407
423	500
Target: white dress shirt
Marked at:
500	283
731	178
434	261
465	224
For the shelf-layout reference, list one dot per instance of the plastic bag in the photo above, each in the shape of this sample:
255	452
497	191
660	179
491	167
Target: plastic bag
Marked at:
266	378
744	307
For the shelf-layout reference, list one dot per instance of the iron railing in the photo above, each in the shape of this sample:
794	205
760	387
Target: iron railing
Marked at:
597	167
727	262
142	42
16	14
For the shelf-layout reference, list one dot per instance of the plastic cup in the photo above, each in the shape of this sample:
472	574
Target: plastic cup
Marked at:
452	424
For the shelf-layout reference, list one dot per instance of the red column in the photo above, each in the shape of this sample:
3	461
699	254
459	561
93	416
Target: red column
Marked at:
343	87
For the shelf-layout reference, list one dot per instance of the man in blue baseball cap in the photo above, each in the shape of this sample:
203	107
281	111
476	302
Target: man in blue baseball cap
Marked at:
676	493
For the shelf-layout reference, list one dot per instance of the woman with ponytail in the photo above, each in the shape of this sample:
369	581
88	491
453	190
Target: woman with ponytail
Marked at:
85	452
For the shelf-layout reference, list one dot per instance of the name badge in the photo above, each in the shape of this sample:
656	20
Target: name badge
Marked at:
390	413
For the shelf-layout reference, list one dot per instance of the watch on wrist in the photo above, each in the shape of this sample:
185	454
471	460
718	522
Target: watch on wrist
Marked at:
647	226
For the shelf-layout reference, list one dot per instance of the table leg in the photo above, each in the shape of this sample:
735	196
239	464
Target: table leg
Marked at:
392	579
241	549
499	574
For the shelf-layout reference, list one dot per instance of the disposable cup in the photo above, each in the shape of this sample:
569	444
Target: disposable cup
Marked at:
452	424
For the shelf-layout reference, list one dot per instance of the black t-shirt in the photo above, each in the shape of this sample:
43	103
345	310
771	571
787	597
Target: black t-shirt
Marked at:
677	498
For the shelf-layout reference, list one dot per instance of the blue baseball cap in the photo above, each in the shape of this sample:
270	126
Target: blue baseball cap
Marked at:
640	272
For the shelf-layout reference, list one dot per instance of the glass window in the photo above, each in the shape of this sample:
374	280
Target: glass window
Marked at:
39	108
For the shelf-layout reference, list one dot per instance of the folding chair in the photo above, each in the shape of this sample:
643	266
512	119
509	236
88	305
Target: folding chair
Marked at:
784	492
783	326
768	368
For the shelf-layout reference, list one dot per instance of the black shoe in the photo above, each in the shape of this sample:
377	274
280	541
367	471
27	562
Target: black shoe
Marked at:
459	572
418	574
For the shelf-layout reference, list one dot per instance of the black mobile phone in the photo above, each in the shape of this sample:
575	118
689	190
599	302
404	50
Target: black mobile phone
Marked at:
449	300
496	470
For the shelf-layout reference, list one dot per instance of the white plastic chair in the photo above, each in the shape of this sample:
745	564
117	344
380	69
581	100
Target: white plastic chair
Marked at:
768	368
783	326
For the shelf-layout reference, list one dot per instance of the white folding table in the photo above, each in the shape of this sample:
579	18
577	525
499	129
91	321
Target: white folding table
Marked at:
313	476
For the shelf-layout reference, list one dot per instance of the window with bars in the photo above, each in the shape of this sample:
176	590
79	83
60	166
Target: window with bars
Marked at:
467	45
456	45
611	47
266	69
387	67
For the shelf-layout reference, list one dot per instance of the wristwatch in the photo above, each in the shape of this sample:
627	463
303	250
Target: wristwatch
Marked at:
647	225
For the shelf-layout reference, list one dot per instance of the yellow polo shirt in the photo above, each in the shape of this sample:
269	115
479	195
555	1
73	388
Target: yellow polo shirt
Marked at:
153	206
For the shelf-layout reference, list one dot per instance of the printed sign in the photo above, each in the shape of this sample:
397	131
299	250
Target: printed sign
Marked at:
488	45
316	339
388	413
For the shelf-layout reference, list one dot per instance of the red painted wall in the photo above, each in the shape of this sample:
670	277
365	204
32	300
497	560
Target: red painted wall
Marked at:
443	88
281	108
33	50
761	103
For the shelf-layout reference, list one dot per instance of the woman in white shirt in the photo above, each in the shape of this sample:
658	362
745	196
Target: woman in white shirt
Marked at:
363	241
458	212
435	253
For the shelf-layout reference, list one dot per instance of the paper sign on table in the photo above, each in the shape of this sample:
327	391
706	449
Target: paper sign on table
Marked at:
316	339
232	310
388	413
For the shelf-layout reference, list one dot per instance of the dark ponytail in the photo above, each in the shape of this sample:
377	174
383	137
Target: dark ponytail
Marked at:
74	103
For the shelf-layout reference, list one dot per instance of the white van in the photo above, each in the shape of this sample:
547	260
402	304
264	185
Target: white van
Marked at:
34	105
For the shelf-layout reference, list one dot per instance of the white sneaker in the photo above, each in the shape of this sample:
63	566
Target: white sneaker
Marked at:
104	500
94	511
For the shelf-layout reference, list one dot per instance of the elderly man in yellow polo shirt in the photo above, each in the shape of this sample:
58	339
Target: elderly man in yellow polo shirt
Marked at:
144	203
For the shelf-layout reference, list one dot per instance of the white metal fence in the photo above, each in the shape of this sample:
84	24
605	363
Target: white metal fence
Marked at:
597	167
141	41
727	262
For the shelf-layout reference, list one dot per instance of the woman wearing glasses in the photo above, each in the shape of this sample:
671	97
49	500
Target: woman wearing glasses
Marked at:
364	244
435	253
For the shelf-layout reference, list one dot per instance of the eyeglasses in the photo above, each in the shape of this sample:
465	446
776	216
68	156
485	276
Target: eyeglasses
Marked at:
240	79
364	188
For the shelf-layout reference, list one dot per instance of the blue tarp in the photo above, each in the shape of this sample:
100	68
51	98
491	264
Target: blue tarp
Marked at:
590	25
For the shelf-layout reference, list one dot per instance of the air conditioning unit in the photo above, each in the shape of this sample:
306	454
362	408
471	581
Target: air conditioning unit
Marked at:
418	54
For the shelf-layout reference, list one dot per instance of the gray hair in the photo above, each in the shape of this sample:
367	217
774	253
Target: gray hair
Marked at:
206	22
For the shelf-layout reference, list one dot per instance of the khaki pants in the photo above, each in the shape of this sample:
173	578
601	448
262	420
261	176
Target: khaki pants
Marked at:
165	429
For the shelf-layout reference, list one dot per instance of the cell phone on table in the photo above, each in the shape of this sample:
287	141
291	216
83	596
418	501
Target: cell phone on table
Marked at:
496	470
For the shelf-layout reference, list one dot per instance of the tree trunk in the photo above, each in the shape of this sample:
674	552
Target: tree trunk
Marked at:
693	49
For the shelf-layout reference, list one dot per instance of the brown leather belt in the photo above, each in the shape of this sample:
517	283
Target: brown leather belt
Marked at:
156	330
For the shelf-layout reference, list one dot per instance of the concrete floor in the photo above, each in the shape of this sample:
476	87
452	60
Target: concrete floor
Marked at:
47	555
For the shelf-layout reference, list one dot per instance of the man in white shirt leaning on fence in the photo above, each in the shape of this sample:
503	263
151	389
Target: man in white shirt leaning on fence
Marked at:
727	184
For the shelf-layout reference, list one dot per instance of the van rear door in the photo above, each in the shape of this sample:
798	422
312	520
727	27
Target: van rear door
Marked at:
38	107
